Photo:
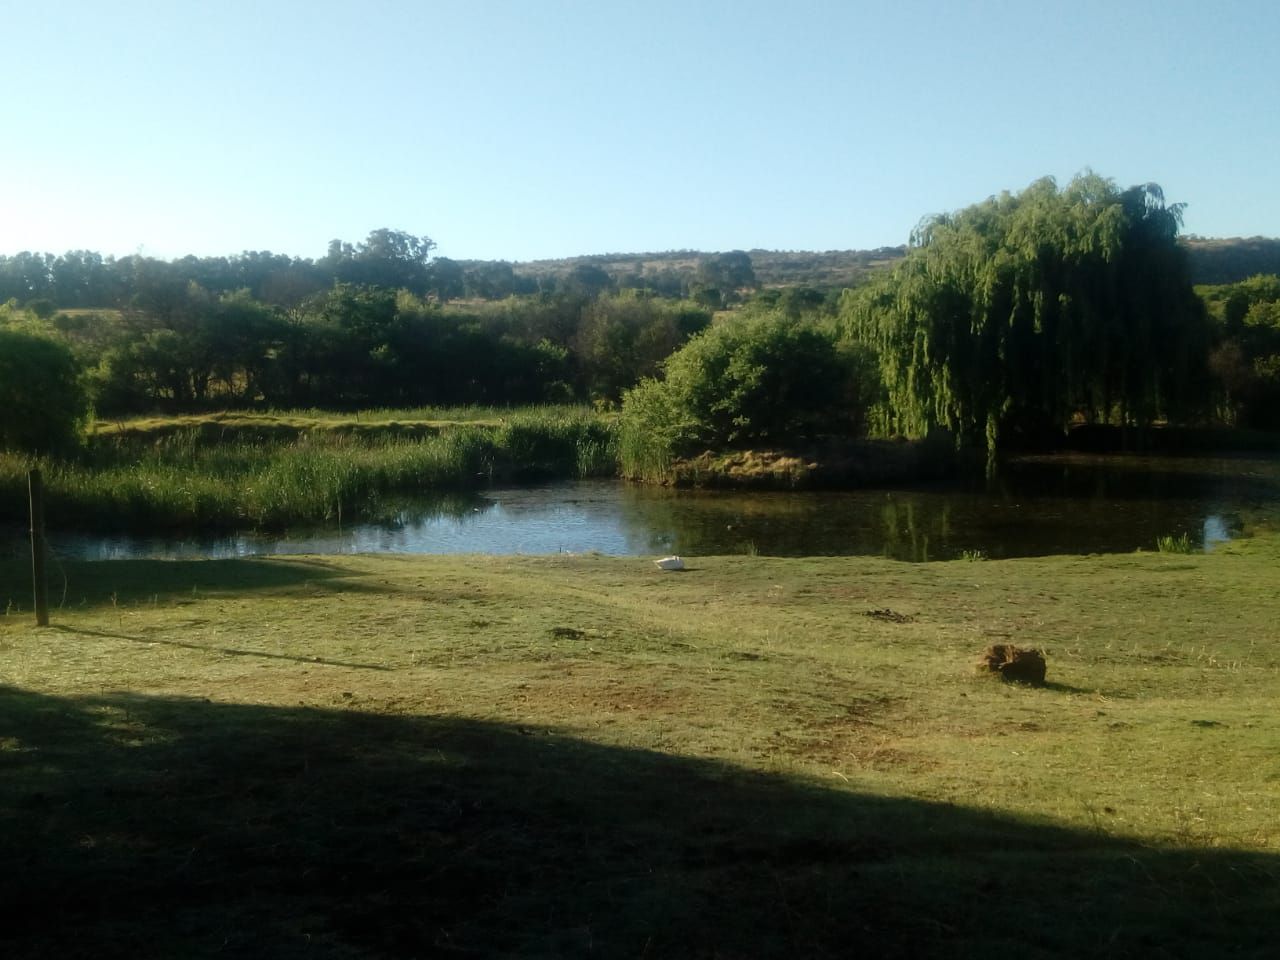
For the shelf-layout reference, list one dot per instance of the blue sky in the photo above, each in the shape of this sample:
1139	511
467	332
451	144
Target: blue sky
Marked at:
521	130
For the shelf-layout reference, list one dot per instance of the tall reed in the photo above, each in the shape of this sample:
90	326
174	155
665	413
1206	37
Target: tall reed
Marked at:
199	478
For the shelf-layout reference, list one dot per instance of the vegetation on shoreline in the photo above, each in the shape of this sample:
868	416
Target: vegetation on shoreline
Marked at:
1002	327
1013	318
268	472
1070	275
749	381
1006	324
394	756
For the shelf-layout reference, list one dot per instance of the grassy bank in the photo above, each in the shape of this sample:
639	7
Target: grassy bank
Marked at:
406	756
274	470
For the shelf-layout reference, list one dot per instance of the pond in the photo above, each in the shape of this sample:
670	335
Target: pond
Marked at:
1035	506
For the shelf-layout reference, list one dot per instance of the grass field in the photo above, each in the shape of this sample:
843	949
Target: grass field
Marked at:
582	756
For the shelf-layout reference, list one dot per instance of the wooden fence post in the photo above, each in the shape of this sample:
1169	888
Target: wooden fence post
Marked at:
35	487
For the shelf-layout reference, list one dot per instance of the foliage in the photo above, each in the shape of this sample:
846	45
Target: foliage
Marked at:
81	279
622	339
1014	316
749	380
387	258
381	322
1246	360
182	348
720	276
43	400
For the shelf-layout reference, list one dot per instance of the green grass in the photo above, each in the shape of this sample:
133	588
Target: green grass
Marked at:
533	757
1171	544
236	471
277	424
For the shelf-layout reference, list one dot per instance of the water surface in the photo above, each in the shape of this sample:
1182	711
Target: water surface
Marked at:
1052	505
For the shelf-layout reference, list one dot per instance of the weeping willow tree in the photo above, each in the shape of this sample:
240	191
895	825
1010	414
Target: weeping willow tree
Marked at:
1027	311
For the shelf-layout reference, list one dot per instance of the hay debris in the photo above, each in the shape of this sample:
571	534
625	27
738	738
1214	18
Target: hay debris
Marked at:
1014	664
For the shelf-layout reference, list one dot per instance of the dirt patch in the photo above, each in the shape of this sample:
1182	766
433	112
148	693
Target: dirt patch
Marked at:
1013	663
889	616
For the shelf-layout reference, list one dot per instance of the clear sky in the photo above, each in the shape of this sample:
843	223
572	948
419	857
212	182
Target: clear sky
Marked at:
548	128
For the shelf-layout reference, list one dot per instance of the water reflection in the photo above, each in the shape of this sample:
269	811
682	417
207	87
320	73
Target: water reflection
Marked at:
1073	505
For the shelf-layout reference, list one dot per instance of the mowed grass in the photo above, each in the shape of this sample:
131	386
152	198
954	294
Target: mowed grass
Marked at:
583	756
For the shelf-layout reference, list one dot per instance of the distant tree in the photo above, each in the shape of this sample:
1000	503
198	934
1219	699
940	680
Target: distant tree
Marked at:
709	297
726	273
42	308
387	258
623	338
26	276
396	260
587	280
42	394
81	278
664	281
1246	360
491	280
447	279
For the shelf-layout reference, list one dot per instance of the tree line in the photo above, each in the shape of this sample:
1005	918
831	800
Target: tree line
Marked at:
357	345
82	279
1004	323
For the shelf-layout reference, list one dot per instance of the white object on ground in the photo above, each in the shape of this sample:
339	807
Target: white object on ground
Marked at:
670	563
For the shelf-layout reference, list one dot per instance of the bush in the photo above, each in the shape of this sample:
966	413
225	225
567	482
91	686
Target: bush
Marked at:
749	381
42	394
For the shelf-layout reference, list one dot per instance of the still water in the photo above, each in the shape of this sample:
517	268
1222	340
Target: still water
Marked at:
1051	505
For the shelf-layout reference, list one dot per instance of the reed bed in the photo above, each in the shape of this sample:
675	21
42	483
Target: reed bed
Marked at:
267	473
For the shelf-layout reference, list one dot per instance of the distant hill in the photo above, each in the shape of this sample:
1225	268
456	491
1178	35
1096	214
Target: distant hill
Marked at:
773	268
831	268
85	280
1225	260
1231	260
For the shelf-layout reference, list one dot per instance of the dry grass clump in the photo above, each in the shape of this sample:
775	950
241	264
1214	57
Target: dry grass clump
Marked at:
1014	664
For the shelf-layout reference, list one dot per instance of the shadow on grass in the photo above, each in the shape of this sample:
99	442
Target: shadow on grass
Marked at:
144	827
152	641
106	582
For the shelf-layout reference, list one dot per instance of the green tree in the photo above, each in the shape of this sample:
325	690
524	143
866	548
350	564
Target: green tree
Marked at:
42	394
447	279
726	273
1017	315
624	338
387	258
586	280
747	381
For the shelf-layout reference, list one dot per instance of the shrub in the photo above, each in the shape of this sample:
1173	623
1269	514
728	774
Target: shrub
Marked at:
749	381
42	394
